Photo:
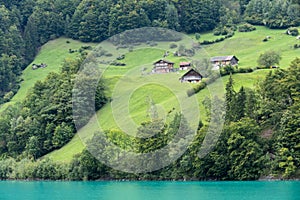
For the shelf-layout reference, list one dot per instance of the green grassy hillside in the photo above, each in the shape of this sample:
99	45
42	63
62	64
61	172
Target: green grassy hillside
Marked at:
140	89
248	46
53	54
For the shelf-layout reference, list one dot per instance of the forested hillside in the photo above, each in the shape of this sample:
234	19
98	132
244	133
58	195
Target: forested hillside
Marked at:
261	134
26	25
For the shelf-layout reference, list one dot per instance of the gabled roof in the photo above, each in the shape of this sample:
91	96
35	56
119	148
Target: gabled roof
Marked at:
185	63
192	72
223	58
163	61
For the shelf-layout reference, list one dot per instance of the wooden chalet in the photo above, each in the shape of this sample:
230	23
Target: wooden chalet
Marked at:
191	76
163	66
221	61
185	66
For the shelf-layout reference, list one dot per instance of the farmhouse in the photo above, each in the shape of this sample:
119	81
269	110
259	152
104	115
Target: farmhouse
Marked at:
163	66
220	61
191	76
185	66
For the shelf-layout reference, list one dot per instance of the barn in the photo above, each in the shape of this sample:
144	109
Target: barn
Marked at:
163	66
191	76
185	65
220	61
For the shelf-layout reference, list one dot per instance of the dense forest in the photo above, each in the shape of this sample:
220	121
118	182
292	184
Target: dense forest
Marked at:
261	134
25	25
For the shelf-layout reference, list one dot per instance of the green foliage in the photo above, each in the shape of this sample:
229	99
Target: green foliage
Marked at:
197	36
292	31
273	14
199	16
268	59
45	120
246	28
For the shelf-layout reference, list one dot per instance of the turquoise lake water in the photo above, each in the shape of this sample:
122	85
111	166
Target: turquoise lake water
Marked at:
106	190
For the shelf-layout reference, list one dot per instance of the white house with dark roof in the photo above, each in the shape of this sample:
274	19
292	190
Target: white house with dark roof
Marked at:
220	61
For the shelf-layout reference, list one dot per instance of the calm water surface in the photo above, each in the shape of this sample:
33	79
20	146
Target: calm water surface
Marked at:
285	190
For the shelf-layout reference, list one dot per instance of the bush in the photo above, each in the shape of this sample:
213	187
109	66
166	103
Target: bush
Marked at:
268	59
108	54
124	46
196	88
121	57
86	47
244	70
296	46
246	28
197	36
173	46
118	64
292	31
254	20
205	42
217	32
72	51
8	96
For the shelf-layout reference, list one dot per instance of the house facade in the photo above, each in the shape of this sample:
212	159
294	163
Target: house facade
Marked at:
185	66
221	61
163	66
191	76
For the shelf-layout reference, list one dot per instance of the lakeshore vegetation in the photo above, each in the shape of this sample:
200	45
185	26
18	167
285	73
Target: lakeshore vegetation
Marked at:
38	137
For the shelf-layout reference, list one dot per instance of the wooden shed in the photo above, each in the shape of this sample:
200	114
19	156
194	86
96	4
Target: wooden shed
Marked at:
163	66
185	65
191	76
220	61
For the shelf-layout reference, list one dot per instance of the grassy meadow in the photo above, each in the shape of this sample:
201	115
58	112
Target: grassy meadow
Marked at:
134	90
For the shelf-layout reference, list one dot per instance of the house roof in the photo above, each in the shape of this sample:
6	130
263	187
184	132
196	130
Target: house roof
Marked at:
192	72
223	58
163	61
185	63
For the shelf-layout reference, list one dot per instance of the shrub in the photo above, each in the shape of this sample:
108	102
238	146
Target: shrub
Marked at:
207	42
153	44
115	63
246	28
269	58
130	49
196	88
244	70
124	46
109	55
292	31
121	57
8	96
86	47
190	92
197	36
72	51
217	32
173	46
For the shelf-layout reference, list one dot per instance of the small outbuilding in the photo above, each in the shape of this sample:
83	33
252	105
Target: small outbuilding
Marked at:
220	61
191	76
185	65
163	66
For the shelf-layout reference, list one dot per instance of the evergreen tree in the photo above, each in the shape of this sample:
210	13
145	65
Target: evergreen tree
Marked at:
31	38
230	100
239	104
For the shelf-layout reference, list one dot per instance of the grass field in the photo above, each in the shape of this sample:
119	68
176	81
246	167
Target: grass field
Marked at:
133	90
248	46
53	54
